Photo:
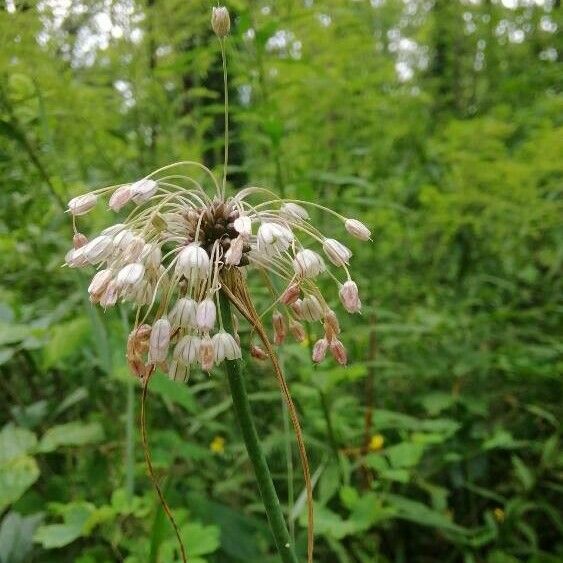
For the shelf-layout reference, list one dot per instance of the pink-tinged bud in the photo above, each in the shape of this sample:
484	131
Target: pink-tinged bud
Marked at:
279	328
130	274
110	295
76	258
337	253
120	197
291	294
159	341
297	308
308	264
350	297
183	314
331	324
79	240
99	283
206	353
319	350
226	347
338	351
82	204
220	21
257	353
297	330
357	229
294	212
187	349
143	190
142	336
243	226
311	309
206	315
98	249
234	254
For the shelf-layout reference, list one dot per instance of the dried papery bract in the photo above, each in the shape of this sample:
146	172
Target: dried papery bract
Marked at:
185	244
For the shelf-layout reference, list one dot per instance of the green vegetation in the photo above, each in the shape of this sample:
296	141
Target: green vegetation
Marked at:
439	125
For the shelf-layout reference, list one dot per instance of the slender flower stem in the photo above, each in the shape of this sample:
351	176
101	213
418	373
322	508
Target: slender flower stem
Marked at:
243	413
226	102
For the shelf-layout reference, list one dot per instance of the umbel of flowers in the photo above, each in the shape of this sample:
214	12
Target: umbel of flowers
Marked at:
169	255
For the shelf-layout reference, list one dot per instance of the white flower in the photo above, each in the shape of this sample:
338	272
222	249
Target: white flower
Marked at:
234	254
75	258
152	256
143	190
350	297
130	274
205	315
243	226
308	264
123	238
187	349
311	309
183	314
357	229
99	282
273	238
226	347
82	204
110	295
98	249
193	262
159	341
337	253
120	197
293	211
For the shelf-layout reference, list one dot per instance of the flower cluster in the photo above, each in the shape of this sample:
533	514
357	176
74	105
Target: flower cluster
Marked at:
170	255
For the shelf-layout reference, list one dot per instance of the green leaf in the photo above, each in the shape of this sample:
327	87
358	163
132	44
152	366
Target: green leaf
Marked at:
66	339
16	476
16	534
405	454
174	392
71	434
15	442
525	476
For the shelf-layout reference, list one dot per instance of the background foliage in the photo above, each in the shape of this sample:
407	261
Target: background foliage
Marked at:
438	123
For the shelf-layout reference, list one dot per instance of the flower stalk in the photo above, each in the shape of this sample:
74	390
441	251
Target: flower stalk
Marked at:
243	413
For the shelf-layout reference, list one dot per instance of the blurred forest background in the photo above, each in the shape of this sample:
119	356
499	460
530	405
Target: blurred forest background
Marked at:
437	123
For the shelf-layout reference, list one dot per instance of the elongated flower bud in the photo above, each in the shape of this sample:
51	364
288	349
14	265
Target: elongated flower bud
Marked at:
206	353
99	283
331	324
257	353
183	314
337	253
130	274
75	258
294	211
350	297
291	294
319	350
297	330
357	229
297	309
143	190
110	295
338	351
79	240
98	249
234	254
82	204
120	197
159	341
308	264
221	21
279	328
205	315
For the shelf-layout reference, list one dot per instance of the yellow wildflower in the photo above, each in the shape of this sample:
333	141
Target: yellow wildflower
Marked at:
376	442
499	514
217	445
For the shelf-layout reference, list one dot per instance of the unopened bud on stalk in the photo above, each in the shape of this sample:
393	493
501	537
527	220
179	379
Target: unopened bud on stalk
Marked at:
297	330
206	353
79	240
319	350
291	294
159	341
279	328
338	351
357	229
258	353
205	315
221	21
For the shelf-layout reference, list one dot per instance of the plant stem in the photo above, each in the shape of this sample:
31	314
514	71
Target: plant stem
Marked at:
243	413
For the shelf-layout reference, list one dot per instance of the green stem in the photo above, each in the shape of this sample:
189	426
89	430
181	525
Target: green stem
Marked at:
243	413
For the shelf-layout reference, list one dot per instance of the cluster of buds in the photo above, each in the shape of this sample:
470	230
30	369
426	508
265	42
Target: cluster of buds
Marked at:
169	256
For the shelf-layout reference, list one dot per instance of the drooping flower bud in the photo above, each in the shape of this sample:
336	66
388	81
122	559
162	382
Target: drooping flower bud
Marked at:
183	314
120	197
206	353
234	254
130	274
338	351
297	308
133	250
311	309
273	238
99	283
226	347
278	323
79	240
319	350
291	294
82	204
221	21
123	238
193	262
159	341
113	230
331	324
110	295
293	211
337	253
75	258
349	297
257	352
187	349
297	330
357	229
205	315
308	264
152	256
98	249
143	190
